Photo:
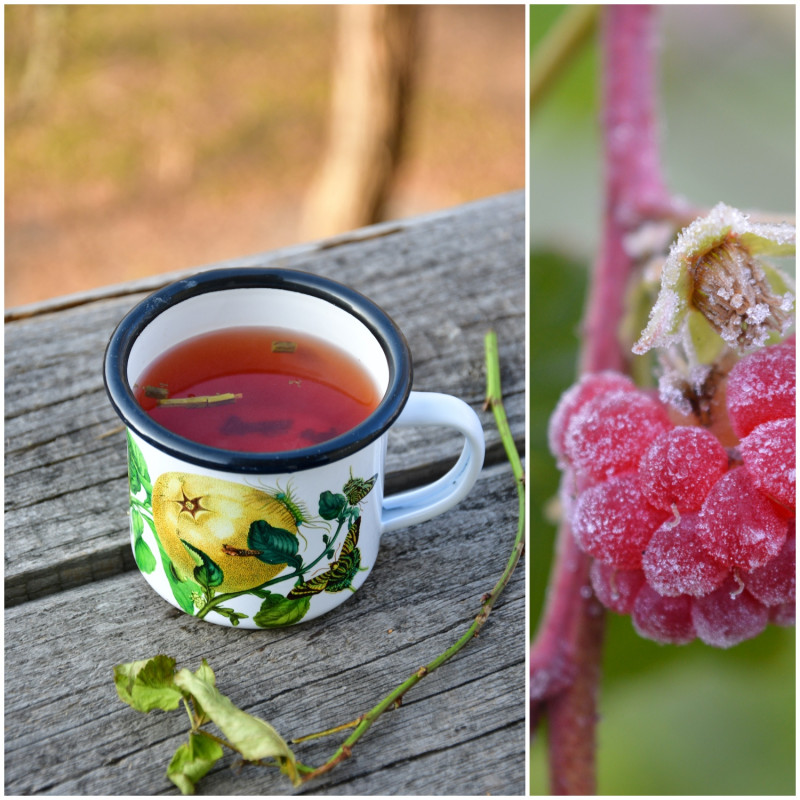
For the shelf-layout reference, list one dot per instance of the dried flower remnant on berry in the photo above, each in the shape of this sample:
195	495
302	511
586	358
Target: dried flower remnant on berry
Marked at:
715	269
730	290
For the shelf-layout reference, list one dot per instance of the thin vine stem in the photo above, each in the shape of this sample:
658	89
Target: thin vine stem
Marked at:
394	698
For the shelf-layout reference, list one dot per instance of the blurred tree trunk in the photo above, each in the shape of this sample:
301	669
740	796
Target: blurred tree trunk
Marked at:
48	30
372	86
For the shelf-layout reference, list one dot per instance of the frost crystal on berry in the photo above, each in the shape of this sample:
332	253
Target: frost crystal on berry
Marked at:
613	522
740	527
676	563
761	388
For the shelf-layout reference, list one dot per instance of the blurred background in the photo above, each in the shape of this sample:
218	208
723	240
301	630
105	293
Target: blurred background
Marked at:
674	720
148	138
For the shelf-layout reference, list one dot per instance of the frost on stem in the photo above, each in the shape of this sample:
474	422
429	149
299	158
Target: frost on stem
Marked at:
714	273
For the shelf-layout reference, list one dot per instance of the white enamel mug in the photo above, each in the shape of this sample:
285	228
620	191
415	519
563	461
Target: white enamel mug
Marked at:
262	540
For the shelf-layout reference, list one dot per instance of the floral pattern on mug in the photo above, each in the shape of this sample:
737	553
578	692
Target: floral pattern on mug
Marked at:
218	540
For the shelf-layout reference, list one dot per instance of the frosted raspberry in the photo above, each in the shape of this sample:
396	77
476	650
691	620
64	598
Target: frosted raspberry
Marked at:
769	453
740	526
728	616
774	583
680	467
575	398
613	521
675	561
761	388
616	588
611	432
664	619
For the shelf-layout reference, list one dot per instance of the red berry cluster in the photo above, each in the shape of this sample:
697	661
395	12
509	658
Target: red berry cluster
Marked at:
690	538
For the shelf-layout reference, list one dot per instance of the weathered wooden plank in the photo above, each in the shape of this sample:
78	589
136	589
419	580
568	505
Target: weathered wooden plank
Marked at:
445	279
67	733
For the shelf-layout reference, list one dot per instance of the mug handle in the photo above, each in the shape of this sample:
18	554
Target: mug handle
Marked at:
417	505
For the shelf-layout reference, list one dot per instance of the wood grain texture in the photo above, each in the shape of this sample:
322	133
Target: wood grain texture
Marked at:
68	733
76	606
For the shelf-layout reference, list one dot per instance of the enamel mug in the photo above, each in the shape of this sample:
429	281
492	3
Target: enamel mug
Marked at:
261	540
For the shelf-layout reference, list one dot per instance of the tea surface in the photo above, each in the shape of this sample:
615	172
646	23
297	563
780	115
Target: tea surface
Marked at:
288	390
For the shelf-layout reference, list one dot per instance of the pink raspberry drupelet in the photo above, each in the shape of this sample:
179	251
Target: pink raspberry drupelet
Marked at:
770	454
739	526
614	522
616	588
680	467
728	616
761	388
575	398
675	561
667	620
774	583
610	433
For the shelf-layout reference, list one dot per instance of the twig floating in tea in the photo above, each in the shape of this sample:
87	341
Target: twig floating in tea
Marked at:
200	401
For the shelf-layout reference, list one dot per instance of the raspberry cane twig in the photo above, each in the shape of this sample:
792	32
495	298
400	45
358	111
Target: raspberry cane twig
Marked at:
566	653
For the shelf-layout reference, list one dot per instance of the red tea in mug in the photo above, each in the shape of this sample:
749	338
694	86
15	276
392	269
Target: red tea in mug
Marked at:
257	390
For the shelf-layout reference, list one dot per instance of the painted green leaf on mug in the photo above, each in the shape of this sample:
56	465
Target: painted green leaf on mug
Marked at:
182	591
274	545
331	505
144	557
277	611
138	476
230	614
207	572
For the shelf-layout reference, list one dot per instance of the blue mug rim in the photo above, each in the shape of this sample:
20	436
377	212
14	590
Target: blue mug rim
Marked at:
379	323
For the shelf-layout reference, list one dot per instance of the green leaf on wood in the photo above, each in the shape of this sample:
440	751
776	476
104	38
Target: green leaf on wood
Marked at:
205	673
149	684
193	760
253	738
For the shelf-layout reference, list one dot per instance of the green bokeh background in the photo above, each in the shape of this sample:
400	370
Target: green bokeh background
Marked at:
674	720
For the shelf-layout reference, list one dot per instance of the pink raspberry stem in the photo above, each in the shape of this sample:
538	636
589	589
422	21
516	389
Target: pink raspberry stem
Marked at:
566	653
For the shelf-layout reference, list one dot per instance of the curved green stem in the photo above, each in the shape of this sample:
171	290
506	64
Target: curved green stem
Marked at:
140	505
393	699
